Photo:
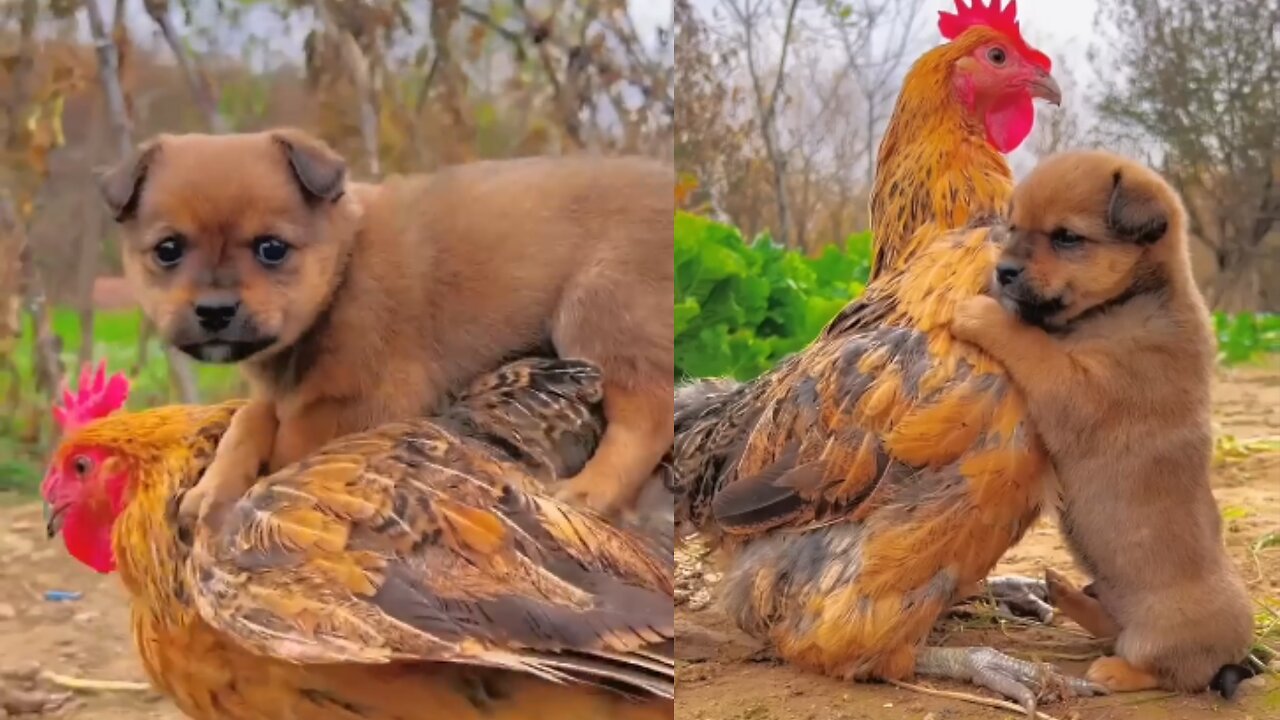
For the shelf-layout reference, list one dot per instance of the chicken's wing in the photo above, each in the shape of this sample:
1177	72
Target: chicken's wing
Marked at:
423	542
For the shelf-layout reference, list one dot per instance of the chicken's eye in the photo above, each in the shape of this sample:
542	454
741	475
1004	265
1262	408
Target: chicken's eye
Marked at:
81	465
996	55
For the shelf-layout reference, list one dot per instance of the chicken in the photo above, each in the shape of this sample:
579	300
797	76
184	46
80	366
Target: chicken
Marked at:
417	566
868	482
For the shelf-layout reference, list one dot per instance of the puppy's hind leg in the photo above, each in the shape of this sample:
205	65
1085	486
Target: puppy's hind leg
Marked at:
1118	675
629	337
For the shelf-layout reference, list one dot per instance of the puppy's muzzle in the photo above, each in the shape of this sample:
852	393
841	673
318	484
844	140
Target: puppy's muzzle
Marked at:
1011	287
217	316
220	330
1007	273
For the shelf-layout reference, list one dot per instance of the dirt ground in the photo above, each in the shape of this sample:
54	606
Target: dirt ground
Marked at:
725	675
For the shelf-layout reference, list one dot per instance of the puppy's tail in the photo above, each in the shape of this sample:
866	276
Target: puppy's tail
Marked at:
1229	677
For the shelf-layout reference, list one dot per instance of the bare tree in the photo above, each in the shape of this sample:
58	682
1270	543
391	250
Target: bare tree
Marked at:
48	347
19	277
188	63
1201	81
355	30
108	64
1059	128
711	140
819	130
751	17
878	38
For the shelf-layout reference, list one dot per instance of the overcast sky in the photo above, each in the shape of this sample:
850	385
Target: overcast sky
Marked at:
1063	29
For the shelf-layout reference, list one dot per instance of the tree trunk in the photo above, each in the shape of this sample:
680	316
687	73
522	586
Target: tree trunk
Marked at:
47	348
22	283
362	77
87	252
180	371
767	109
22	72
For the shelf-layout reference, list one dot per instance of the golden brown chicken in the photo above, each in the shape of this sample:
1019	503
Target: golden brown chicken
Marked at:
865	484
415	570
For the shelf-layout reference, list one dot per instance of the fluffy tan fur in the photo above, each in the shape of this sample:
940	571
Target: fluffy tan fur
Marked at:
393	294
1100	324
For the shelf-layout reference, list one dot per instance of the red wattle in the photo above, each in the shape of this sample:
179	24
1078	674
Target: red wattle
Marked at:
1009	121
88	539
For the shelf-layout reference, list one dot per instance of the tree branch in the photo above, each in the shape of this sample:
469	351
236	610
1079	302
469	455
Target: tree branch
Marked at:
108	76
197	81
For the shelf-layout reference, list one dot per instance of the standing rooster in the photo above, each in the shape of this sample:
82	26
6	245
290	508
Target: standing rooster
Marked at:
868	482
410	571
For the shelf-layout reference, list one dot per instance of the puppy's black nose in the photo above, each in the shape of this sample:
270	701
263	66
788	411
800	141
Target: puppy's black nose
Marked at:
1007	272
216	316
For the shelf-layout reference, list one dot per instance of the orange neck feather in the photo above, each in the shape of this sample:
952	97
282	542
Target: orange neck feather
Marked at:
934	165
165	449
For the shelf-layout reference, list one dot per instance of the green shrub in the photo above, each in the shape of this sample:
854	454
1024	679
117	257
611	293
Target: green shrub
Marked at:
1244	337
741	307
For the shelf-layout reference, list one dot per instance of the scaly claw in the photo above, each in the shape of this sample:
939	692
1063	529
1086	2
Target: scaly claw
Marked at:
1021	596
1026	683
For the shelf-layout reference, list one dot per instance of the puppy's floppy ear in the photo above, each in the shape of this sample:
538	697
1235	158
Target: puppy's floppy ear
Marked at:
121	184
321	172
1135	213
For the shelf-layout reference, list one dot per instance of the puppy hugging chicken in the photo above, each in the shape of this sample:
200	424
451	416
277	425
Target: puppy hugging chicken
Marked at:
351	304
1096	316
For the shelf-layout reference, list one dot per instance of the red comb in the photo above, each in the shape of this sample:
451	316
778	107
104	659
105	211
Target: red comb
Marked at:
1005	22
96	396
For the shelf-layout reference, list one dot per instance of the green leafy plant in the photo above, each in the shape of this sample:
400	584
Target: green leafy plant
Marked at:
740	307
1244	337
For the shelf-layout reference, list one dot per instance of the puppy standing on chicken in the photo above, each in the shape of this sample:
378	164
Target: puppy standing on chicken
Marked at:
351	304
1099	322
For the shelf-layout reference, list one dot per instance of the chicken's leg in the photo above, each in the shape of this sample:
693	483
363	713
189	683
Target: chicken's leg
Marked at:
1019	680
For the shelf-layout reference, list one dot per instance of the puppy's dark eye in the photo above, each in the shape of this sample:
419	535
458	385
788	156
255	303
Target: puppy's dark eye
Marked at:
270	250
81	465
169	251
996	55
1064	239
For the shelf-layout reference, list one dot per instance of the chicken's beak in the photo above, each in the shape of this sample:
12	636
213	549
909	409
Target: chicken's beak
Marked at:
1043	86
53	519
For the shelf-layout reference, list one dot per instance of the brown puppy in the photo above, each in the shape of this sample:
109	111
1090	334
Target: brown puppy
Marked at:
1100	324
352	304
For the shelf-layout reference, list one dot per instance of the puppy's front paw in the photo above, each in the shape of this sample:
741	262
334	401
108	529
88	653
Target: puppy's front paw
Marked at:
975	315
218	488
597	494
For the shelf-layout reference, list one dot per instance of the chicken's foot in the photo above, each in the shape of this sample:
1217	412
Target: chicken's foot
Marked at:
1019	680
1021	596
966	697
